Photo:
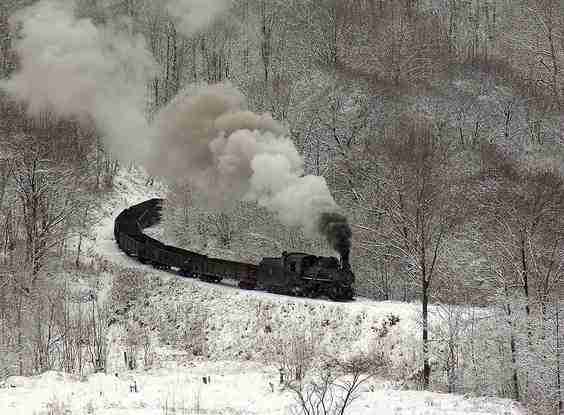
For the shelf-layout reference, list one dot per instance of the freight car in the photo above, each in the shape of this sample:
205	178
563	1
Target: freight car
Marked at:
298	274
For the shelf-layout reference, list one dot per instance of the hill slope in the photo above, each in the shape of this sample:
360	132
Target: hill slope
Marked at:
237	338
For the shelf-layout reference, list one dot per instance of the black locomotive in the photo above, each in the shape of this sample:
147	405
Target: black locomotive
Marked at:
294	273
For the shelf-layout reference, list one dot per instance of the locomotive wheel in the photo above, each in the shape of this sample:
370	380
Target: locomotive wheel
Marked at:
333	293
296	292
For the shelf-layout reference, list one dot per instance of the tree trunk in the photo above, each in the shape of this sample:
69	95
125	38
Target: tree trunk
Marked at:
515	377
78	248
525	270
4	174
20	332
266	46
558	357
426	364
452	365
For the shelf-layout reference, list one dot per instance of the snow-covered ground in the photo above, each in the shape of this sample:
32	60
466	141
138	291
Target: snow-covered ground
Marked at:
234	388
242	336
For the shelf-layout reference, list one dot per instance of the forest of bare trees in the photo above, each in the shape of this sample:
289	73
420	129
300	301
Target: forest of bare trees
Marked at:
438	124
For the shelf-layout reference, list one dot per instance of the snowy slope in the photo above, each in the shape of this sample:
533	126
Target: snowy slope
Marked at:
242	335
235	388
130	188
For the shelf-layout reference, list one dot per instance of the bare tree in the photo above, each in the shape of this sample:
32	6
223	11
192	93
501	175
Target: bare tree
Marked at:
296	356
396	46
5	171
267	26
223	227
215	49
333	386
559	347
45	203
98	330
423	206
523	229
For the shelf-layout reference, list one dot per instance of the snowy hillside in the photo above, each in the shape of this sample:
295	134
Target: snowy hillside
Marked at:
236	338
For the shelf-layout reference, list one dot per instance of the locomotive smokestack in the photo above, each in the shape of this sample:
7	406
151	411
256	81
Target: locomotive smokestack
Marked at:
345	263
336	229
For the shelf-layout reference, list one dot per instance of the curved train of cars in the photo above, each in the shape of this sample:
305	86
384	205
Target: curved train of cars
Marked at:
294	273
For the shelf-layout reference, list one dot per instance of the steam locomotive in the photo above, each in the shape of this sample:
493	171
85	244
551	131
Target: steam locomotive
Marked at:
295	273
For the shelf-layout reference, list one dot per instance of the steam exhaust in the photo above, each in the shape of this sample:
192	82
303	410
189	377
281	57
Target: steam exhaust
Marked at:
337	231
205	135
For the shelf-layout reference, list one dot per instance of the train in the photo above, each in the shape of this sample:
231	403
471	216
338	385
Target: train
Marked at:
293	273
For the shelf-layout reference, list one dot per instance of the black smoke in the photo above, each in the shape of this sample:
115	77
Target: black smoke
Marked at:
337	230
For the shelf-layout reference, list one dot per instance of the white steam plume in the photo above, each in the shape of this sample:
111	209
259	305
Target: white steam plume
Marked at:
73	68
192	16
208	136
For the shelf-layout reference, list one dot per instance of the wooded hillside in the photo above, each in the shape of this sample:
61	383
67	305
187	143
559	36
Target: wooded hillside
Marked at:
438	126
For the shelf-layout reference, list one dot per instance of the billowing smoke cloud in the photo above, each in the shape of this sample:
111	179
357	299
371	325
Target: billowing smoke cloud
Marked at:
208	135
73	68
191	16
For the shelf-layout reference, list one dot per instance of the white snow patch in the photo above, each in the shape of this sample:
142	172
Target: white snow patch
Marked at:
235	388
